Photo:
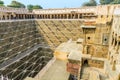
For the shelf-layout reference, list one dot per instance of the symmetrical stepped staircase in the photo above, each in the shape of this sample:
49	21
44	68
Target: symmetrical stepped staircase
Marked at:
23	50
56	32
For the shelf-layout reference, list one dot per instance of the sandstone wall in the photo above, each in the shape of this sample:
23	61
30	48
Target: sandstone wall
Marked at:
96	63
97	40
105	34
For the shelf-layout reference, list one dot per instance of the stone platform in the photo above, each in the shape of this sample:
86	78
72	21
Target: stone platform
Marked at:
56	72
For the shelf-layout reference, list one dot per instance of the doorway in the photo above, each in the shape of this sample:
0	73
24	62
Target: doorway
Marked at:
85	63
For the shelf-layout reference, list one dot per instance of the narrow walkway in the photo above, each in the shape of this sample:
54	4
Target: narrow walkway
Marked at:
56	72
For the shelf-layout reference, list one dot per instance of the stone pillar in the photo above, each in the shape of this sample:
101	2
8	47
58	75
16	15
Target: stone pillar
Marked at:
30	16
78	16
67	16
24	16
50	16
54	16
39	16
74	16
71	16
46	16
10	16
6	17
63	16
60	16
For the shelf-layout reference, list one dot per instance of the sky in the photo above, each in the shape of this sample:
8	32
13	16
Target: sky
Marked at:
52	3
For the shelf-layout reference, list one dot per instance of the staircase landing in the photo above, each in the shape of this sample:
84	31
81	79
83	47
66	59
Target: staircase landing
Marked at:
56	72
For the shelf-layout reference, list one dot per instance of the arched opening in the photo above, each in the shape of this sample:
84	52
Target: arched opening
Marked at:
69	17
3	18
85	63
37	16
52	16
32	16
61	16
7	17
12	17
80	16
40	17
65	16
17	16
48	16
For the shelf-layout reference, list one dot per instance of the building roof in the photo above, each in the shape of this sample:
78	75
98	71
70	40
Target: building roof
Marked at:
75	55
69	46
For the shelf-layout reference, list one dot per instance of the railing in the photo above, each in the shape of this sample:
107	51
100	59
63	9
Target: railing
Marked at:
65	10
69	13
